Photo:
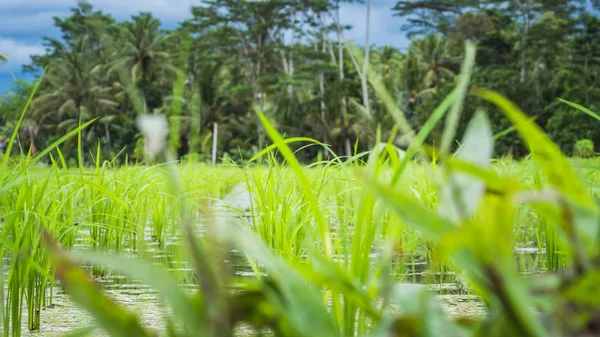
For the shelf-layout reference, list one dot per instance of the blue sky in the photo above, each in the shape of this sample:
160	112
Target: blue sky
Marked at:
25	22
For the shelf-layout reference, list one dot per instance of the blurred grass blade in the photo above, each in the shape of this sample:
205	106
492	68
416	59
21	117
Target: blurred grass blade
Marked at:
421	311
509	130
305	309
117	321
167	288
552	162
492	181
424	132
412	211
461	193
457	105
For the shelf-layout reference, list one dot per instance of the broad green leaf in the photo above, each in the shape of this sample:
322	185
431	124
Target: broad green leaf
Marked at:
585	290
461	193
547	154
412	211
305	309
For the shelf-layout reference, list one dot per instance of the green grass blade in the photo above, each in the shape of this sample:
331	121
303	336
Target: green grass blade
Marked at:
287	141
552	162
18	126
581	108
61	140
304	306
412	211
456	109
418	141
304	182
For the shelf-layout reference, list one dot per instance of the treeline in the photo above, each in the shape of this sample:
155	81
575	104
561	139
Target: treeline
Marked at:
288	57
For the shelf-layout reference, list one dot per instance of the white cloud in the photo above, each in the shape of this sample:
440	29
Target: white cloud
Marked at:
18	53
169	11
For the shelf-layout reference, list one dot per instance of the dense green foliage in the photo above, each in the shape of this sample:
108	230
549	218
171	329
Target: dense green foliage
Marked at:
286	57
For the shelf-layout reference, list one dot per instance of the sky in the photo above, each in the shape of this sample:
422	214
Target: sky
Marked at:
23	24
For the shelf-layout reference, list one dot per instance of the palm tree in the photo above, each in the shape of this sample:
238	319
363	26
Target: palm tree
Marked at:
144	52
73	93
433	56
388	63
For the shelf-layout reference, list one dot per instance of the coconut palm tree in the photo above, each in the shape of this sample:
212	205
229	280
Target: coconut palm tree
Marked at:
434	58
144	53
387	63
72	93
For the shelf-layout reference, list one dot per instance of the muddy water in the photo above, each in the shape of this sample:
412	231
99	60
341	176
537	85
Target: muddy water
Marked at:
63	316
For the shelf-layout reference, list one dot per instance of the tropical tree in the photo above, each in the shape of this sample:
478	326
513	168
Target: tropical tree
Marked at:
143	52
73	95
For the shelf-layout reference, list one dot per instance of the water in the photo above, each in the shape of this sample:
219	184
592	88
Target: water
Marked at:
63	316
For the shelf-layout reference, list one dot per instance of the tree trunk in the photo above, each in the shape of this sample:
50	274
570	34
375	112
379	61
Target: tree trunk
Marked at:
80	152
524	41
290	88
341	68
365	88
214	147
348	147
322	87
259	127
32	138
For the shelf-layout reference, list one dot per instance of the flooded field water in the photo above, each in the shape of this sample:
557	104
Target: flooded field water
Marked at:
63	316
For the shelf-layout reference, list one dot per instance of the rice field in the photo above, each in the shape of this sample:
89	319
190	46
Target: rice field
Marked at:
134	211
